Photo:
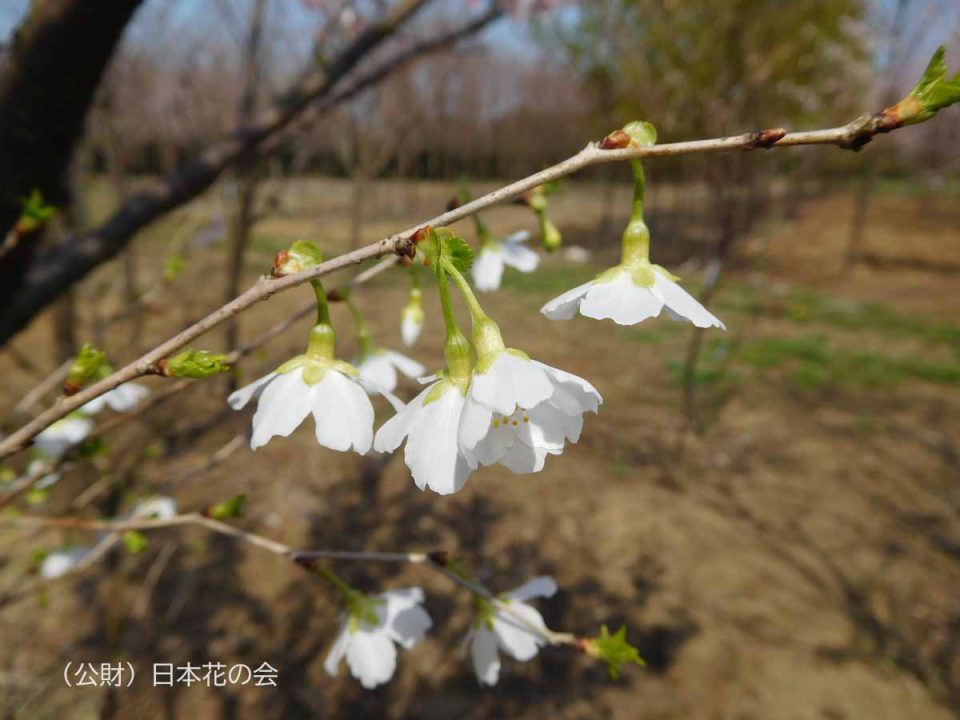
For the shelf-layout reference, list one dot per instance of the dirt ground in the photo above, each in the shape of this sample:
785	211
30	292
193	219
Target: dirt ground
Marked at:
798	559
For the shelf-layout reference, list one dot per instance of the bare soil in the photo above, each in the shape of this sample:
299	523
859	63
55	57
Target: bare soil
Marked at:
799	559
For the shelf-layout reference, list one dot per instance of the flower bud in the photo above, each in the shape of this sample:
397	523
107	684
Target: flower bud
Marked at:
411	318
550	236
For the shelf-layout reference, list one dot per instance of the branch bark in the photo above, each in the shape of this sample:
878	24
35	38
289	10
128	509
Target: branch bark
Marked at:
59	55
50	273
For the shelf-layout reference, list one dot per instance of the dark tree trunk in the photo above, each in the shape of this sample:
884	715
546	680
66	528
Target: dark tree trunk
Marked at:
59	55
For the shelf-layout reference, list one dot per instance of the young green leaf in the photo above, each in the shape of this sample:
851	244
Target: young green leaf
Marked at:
134	541
614	650
232	508
194	364
934	92
85	366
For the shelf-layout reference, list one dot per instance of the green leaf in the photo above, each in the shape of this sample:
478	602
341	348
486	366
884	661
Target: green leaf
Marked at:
36	496
35	212
934	92
172	267
91	447
135	541
614	650
232	508
443	243
459	253
194	364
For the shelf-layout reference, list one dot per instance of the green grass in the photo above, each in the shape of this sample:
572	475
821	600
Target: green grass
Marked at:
549	280
813	363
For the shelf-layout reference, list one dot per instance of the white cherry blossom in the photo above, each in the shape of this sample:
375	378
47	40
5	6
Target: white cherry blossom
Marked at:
159	507
367	642
341	410
488	266
430	423
60	562
62	435
509	629
122	398
517	411
629	294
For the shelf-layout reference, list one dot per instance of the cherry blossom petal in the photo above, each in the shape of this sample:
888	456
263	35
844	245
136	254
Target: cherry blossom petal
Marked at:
378	369
621	300
521	258
160	508
394	430
543	586
283	405
486	659
517	237
510	382
371	656
488	269
565	306
62	435
514	637
125	397
572	393
523	459
239	398
339	648
474	424
405	621
683	303
409	367
432	453
342	413
59	563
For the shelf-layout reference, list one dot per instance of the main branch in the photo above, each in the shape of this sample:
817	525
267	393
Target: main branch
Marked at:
853	135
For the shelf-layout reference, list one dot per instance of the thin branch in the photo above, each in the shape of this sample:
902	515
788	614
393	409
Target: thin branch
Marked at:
43	387
303	558
853	135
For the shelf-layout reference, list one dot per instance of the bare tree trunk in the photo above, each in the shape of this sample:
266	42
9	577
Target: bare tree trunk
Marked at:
245	180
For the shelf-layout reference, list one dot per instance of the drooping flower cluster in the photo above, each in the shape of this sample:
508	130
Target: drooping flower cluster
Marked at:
491	405
511	626
373	625
636	289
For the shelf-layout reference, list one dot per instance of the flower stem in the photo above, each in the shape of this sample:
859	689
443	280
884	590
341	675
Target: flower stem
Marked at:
635	243
477	315
323	309
336	581
486	333
457	350
364	338
639	185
